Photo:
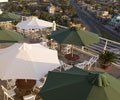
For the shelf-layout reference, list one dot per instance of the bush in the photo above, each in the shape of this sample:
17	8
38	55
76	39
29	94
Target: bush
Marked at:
106	57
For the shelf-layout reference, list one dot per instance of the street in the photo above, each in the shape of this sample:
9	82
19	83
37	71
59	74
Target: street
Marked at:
87	22
91	22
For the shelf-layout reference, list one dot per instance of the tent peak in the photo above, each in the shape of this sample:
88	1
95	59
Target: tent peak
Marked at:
74	28
25	46
100	80
34	18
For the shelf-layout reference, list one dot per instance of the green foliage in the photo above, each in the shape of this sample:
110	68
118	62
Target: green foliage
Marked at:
12	7
56	3
74	20
37	13
68	10
106	57
109	9
74	16
48	37
64	2
15	22
41	11
72	10
46	16
20	1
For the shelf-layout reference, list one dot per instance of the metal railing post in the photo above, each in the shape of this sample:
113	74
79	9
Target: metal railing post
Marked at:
105	47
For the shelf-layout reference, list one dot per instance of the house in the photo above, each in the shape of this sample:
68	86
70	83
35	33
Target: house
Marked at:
51	9
58	10
79	25
32	3
6	25
105	13
115	21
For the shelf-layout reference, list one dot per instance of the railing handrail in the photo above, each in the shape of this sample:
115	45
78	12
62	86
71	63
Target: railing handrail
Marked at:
95	50
99	37
109	40
61	26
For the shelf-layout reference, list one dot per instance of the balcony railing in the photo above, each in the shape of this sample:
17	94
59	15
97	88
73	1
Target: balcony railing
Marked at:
95	49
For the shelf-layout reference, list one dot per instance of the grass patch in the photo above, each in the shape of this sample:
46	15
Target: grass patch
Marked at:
105	34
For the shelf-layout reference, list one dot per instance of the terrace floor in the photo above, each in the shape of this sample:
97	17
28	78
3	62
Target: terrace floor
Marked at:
114	71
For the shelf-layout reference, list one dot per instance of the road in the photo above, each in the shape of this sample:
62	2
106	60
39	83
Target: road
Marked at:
87	22
91	22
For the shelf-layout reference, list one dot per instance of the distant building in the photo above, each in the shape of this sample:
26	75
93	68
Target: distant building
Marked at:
79	25
105	13
51	9
32	3
109	0
114	0
115	21
58	10
6	25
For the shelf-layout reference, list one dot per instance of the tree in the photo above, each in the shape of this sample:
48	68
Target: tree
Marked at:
24	10
74	16
12	7
64	2
74	20
109	9
72	10
67	2
46	16
37	13
20	1
56	3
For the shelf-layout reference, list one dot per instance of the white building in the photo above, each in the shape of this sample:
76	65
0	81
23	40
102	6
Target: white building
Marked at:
51	9
115	21
105	13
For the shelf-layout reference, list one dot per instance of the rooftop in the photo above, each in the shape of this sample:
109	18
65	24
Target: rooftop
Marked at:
85	53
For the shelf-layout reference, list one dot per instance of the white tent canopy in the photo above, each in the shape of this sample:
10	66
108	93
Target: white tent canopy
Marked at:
3	0
34	23
27	61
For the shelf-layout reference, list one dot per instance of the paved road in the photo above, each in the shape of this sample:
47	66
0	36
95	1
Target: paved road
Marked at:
91	22
87	22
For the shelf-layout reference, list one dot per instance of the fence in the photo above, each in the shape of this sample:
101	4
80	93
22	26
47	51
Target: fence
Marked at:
95	49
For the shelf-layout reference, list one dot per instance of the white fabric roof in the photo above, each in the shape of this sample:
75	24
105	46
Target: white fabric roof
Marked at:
34	23
27	61
3	0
